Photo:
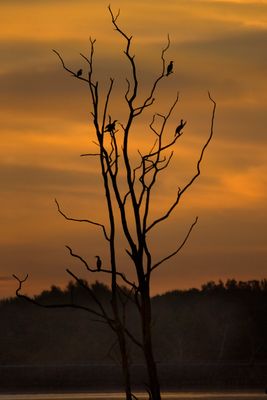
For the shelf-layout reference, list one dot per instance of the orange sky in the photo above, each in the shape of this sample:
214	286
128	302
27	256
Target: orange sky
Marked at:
45	125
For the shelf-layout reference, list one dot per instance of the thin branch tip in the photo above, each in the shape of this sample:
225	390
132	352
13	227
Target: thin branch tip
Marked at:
20	280
211	98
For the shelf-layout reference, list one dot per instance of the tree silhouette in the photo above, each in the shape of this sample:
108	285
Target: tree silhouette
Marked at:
132	200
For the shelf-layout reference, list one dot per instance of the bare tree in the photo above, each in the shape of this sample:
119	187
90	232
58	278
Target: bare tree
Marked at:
133	198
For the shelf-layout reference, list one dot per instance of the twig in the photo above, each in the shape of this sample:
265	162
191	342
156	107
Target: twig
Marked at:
68	69
66	305
182	191
82	220
178	249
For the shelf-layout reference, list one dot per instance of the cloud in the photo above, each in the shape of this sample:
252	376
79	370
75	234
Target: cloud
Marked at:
5	278
30	178
31	85
241	45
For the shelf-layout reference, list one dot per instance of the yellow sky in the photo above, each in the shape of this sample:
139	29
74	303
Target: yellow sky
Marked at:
45	124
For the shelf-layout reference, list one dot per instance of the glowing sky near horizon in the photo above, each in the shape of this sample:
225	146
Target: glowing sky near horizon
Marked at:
45	125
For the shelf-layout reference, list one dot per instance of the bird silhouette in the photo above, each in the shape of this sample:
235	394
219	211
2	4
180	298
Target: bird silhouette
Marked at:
111	126
169	68
79	73
180	127
98	263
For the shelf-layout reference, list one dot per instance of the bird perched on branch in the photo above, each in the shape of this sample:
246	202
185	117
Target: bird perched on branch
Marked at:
180	127
79	73
111	126
169	68
98	263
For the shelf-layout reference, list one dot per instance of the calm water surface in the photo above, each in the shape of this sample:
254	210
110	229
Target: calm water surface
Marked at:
118	396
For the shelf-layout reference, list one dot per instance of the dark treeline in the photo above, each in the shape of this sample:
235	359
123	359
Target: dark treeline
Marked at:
219	323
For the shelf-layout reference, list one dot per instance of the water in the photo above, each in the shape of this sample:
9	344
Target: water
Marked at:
141	396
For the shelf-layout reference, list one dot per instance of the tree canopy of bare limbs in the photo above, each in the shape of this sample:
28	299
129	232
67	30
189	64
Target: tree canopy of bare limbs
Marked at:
133	203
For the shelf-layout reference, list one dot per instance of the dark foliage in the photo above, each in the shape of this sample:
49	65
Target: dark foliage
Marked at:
222	323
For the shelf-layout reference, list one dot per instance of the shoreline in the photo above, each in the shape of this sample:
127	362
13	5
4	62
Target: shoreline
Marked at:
138	391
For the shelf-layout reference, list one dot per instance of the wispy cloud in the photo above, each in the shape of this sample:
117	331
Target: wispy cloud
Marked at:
5	278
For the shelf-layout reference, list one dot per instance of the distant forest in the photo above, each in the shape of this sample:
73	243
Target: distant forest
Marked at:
219	323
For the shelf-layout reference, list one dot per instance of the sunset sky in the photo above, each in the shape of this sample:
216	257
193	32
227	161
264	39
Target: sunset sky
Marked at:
220	46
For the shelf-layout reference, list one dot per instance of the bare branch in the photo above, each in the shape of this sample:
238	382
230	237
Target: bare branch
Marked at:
65	305
107	271
125	197
89	154
152	123
82	220
74	74
167	162
93	296
93	89
86	58
133	339
109	352
128	55
82	260
106	104
150	99
203	148
114	160
93	141
155	160
124	303
189	184
110	272
165	118
154	156
128	90
21	281
166	215
178	249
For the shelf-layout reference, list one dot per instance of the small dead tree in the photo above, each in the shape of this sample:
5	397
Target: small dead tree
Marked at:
132	199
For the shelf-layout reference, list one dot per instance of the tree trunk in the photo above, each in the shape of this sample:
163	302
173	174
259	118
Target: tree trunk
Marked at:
119	329
152	372
125	364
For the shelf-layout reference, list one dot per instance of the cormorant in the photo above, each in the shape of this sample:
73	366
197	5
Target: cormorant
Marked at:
79	73
98	263
111	126
180	127
169	68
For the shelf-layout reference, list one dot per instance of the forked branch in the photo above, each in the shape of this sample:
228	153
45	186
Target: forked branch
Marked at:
130	57
150	99
65	305
70	71
191	181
